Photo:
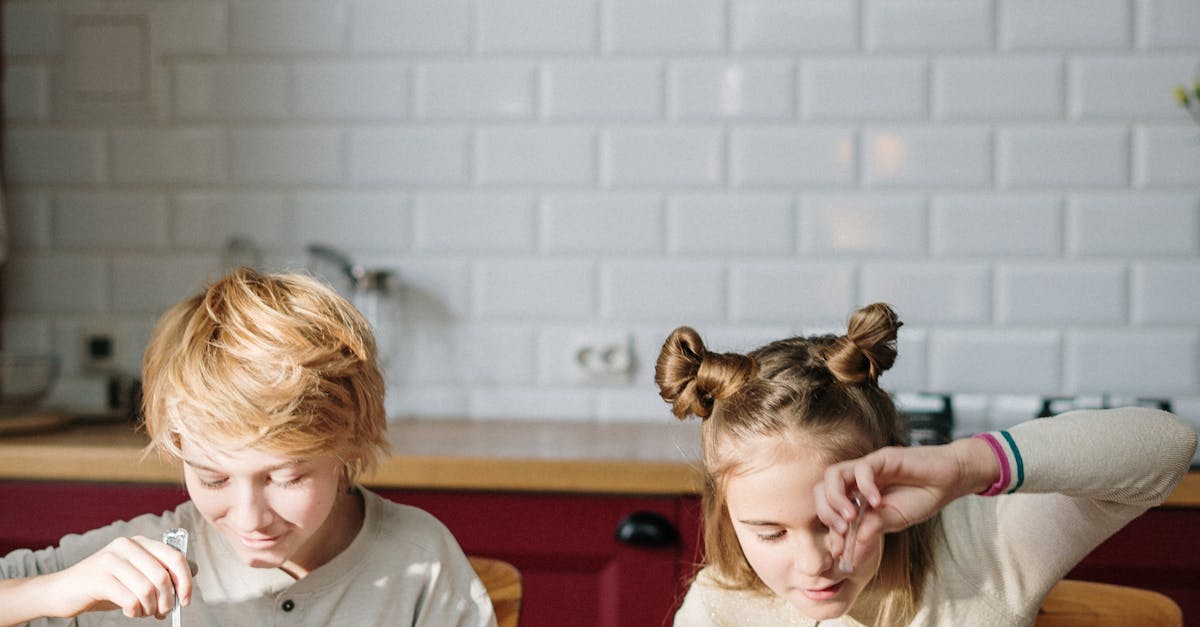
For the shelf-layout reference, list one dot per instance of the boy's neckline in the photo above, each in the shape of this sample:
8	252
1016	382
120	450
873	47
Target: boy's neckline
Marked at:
346	522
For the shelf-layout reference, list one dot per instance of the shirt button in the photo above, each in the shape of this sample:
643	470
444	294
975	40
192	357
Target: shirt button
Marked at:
288	605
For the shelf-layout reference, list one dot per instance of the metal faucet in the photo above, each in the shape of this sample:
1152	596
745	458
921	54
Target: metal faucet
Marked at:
359	276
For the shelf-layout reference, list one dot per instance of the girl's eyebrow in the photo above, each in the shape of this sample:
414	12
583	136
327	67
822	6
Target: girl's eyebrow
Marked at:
761	523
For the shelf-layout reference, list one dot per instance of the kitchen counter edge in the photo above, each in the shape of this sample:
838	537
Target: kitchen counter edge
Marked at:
508	456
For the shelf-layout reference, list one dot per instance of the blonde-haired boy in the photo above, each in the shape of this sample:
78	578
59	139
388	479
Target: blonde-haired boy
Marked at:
267	389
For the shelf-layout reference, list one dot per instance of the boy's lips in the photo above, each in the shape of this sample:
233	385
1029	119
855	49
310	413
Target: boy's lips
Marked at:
258	542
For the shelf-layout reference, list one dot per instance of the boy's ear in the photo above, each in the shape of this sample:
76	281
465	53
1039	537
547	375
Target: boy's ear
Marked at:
349	465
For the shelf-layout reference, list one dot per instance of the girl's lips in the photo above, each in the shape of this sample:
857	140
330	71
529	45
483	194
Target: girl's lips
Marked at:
824	594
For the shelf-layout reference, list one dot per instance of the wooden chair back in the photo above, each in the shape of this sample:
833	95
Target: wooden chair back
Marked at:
1074	603
503	583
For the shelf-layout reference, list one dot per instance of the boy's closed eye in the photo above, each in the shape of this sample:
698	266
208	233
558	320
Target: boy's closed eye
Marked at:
283	482
212	482
288	474
287	481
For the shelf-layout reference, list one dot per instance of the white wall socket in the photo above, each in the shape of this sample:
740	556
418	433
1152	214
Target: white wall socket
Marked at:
601	358
98	350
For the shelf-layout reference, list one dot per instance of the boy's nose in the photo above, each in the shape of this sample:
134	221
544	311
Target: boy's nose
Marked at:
250	512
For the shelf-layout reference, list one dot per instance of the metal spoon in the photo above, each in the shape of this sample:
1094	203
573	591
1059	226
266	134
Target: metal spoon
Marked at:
847	561
178	539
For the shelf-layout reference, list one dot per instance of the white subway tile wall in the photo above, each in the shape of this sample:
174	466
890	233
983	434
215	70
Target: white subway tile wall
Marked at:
206	220
928	24
179	156
235	91
1013	175
621	91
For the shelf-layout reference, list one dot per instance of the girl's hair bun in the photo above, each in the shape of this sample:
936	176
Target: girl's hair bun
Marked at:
868	348
691	378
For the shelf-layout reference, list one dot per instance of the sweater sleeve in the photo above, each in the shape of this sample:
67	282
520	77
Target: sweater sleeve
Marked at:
1073	481
1130	456
73	548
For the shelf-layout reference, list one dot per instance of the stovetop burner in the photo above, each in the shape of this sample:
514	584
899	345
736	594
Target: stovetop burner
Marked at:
930	417
1054	405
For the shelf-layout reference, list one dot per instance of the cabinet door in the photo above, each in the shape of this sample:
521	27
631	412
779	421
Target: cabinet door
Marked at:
691	536
34	515
575	571
1156	551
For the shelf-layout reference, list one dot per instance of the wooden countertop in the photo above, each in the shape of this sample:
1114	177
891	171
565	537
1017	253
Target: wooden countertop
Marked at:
426	454
437	454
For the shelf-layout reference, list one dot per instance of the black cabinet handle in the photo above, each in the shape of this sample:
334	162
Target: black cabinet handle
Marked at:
647	530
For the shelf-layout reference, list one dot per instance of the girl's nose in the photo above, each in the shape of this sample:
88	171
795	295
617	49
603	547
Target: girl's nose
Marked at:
813	557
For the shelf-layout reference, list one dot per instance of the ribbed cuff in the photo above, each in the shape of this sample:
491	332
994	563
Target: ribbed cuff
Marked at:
1012	470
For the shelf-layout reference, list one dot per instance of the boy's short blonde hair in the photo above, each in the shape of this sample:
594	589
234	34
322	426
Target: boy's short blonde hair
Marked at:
276	362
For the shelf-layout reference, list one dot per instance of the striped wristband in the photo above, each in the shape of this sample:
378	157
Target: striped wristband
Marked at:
1012	470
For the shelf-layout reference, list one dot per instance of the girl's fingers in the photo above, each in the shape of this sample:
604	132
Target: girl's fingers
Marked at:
864	478
826	512
838	478
869	534
836	543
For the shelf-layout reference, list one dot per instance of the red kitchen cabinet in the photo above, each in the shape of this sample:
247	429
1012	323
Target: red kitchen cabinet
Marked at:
1157	551
575	570
35	514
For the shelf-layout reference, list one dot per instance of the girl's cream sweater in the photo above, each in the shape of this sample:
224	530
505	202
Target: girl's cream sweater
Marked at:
1075	480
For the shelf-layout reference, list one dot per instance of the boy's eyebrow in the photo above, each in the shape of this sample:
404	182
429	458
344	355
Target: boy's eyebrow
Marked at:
199	466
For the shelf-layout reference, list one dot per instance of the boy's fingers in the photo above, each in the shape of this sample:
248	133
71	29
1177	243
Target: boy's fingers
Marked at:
142	598
168	569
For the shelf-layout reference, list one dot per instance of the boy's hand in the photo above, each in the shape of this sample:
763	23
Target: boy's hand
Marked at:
137	575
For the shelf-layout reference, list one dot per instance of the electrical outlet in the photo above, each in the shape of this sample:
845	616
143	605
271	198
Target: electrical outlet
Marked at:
99	350
601	358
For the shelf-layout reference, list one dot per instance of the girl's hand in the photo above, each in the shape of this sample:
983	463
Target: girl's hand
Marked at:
137	575
901	486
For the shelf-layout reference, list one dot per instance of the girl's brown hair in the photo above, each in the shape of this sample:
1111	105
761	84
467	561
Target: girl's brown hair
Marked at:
278	362
823	387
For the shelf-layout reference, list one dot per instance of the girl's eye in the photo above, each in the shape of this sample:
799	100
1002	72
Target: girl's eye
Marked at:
774	536
212	484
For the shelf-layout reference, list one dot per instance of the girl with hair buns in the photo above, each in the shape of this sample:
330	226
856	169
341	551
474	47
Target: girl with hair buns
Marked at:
816	511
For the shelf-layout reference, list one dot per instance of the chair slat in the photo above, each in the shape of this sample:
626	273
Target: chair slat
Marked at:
503	583
1074	603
